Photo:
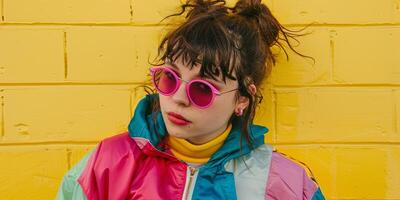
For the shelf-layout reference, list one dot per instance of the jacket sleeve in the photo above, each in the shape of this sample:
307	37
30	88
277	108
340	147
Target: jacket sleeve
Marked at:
289	180
70	188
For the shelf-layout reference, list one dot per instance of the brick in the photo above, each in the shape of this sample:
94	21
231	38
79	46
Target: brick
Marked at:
67	11
326	11
335	115
111	54
367	55
302	71
37	170
26	52
351	171
366	168
65	113
145	13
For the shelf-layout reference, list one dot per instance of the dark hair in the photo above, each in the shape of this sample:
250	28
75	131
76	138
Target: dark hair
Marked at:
233	41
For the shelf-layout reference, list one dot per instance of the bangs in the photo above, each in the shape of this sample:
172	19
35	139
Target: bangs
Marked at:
203	41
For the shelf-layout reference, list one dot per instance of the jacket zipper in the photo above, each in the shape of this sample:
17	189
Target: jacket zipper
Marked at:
187	188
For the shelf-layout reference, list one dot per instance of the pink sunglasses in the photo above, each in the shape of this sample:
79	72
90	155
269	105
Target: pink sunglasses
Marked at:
200	92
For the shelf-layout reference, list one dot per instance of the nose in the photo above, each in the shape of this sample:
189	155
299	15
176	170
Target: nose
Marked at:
180	96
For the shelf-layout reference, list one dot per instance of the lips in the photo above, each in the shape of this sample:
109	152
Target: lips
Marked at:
177	119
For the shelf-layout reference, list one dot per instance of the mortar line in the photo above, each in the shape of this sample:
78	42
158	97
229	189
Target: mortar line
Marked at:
131	10
54	143
69	158
274	98
72	84
334	25
349	85
65	56
2	10
280	87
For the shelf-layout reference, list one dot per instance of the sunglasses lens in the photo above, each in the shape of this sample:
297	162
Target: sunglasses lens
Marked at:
200	93
165	81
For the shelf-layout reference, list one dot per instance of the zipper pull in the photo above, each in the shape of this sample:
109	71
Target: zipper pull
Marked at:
192	170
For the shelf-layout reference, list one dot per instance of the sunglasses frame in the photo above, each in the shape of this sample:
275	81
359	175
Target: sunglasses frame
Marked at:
214	91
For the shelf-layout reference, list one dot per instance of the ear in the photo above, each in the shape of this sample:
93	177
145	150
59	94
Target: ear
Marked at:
243	101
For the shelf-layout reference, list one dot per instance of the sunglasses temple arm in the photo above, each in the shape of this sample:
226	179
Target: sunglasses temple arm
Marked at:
227	91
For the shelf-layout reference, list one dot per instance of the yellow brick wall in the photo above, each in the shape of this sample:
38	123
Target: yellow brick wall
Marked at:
68	69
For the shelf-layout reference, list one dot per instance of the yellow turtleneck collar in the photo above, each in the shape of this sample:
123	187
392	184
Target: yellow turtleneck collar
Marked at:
192	153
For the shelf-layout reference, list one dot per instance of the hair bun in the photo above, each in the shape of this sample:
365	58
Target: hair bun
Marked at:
262	17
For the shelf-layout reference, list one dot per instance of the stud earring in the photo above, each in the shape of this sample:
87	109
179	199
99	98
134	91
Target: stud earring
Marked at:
240	113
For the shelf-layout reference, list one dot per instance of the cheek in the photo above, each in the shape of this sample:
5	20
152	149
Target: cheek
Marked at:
227	101
222	107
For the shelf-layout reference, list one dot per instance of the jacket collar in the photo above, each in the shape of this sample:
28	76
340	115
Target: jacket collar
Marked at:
143	126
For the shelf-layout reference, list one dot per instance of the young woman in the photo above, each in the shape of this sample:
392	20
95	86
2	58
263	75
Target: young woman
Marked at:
195	138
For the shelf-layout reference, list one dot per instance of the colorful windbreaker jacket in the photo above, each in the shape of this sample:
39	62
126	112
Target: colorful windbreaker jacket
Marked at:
137	164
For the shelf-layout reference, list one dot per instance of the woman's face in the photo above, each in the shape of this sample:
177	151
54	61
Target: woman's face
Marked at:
204	124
